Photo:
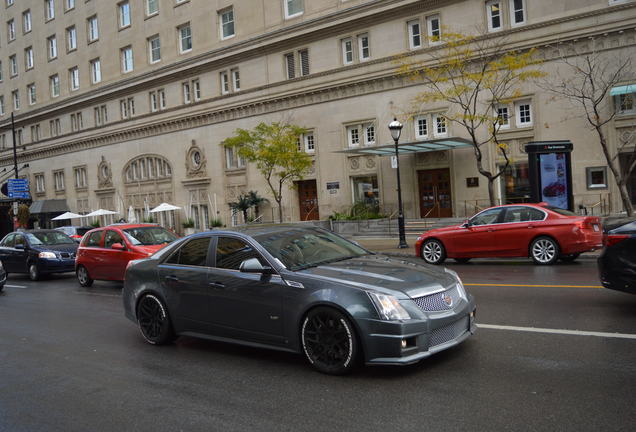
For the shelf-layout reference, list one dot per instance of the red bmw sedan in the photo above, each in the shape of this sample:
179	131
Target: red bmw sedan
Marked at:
105	252
539	231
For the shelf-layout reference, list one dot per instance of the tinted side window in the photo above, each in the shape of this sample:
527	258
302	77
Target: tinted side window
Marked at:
536	215
94	239
8	241
231	252
486	217
193	253
522	214
111	238
19	240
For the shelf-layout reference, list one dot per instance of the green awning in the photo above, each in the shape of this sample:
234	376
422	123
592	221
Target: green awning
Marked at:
411	147
626	89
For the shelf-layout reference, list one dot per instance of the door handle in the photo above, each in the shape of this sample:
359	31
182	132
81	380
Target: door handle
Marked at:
217	285
491	230
172	278
530	226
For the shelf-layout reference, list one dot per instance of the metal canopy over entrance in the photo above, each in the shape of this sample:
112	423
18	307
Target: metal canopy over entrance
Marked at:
411	147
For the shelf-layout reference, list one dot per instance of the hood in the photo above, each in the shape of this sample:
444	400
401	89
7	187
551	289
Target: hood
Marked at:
384	274
57	248
442	230
149	249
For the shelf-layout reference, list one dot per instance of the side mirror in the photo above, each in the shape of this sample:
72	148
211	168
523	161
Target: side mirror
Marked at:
466	224
118	246
253	265
19	246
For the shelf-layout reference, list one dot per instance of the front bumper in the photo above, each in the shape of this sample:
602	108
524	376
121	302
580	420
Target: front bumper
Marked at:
384	340
56	265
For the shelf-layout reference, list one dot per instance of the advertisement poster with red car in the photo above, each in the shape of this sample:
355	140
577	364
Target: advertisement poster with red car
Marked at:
554	189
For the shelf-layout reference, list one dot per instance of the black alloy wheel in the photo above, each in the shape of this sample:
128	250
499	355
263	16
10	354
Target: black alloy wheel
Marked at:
34	273
569	258
433	251
153	320
462	260
83	277
329	341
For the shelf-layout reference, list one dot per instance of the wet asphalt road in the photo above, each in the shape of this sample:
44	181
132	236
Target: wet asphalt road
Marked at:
70	361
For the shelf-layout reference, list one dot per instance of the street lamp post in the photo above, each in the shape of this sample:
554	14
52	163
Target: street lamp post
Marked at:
396	130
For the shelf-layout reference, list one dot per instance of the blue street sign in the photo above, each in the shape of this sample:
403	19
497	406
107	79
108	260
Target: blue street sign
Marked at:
18	188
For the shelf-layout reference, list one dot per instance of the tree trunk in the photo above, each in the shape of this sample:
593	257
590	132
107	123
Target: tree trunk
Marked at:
618	177
627	202
244	216
280	211
491	190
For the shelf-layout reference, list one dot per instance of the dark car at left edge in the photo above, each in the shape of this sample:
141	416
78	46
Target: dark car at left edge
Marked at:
617	262
38	252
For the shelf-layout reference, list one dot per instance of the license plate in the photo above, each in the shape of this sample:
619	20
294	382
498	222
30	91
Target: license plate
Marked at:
595	227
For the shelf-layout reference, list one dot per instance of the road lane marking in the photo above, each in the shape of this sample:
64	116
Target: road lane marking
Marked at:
16	286
558	331
533	286
96	294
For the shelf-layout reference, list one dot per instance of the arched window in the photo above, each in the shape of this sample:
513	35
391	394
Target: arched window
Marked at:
147	167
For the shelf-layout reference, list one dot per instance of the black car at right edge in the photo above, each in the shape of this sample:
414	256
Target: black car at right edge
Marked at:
617	263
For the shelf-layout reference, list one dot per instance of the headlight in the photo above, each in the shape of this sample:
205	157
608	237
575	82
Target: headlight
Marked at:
460	286
389	307
47	255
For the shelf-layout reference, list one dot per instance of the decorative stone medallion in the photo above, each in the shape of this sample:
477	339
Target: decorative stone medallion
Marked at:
195	161
104	174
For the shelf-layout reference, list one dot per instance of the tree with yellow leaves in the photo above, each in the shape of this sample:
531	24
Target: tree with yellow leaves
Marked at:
474	75
275	151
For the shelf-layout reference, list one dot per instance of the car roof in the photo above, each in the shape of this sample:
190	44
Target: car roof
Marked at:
127	225
253	230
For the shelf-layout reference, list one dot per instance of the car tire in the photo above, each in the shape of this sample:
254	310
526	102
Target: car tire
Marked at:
569	258
462	260
83	277
544	251
1	287
34	273
433	251
329	341
154	321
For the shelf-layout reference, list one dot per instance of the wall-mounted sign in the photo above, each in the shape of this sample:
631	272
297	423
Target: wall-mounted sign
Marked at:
394	162
18	188
472	181
333	187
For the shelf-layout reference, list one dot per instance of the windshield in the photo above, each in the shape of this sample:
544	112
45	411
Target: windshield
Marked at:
561	211
147	236
299	248
48	238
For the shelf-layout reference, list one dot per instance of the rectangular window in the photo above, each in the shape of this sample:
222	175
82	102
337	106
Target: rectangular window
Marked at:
434	29
353	135
39	183
596	177
71	38
493	12
347	51
290	65
9	2
31	94
11	30
54	83
236	80
18	136
421	127
196	89
186	92
73	75
226	23
230	161
49	9
93	28
13	65
28	58
524	114
58	178
26	21
1	105
162	98
15	95
517	12
55	127
415	34
0	71
35	133
127	59
503	117
127	107
70	4
154	102
293	8
369	136
440	125
96	71
304	62
154	49
77	122
225	82
363	47
185	38
152	7
625	103
365	190
310	144
101	115
51	43
124	14
80	177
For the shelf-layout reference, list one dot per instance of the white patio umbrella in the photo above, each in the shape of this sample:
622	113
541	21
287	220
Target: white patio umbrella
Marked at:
100	212
164	207
68	215
131	215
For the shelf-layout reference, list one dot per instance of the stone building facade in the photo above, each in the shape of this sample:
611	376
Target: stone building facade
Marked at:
121	104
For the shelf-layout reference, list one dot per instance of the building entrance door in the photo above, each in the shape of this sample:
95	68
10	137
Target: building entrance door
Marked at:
308	200
435	193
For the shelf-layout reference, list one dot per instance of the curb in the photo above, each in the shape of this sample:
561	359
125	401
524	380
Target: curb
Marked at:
412	255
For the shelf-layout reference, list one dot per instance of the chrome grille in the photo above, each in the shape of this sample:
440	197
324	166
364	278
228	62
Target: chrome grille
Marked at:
435	302
448	332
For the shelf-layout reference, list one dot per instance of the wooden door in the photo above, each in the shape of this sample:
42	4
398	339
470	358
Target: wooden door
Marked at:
308	200
435	193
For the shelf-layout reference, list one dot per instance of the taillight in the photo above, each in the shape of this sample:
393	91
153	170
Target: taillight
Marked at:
612	239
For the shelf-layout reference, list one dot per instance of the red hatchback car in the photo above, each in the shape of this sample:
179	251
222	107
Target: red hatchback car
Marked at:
105	252
539	231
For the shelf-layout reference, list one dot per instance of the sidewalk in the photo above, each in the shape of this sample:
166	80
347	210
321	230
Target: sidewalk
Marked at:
389	246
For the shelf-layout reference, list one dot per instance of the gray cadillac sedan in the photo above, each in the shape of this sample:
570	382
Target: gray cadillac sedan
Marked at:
299	289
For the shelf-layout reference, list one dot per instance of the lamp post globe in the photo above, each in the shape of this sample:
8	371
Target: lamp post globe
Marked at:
395	127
